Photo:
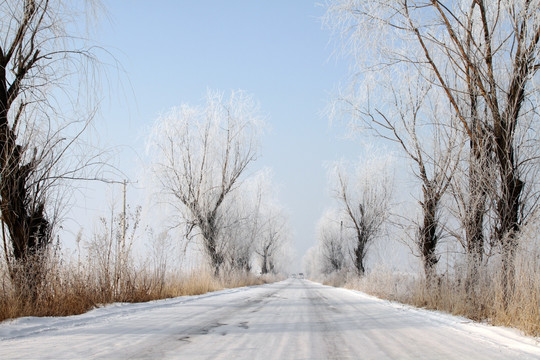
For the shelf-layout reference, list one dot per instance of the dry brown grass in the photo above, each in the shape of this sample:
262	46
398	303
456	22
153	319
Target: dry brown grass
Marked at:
73	290
60	296
486	303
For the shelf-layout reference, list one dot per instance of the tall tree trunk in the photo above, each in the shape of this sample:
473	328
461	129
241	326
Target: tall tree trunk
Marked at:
359	252
508	209
509	204
428	233
23	216
210	238
215	257
265	269
475	212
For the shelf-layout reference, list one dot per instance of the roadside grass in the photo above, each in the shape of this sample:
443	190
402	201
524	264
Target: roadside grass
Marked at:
522	310
486	302
70	290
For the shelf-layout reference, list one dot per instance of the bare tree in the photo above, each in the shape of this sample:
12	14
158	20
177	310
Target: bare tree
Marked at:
364	204
409	115
272	238
239	231
332	243
245	220
266	225
199	155
38	57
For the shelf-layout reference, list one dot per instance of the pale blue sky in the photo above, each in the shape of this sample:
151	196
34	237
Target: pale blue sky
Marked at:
173	51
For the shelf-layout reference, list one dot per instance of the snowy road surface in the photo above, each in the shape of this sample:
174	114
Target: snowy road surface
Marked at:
292	319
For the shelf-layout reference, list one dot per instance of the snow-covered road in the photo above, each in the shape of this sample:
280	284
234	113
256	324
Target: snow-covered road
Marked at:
292	319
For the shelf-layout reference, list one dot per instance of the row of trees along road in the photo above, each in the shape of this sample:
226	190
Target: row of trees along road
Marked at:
453	84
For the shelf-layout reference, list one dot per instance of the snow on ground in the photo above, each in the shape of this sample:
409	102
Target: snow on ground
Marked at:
292	319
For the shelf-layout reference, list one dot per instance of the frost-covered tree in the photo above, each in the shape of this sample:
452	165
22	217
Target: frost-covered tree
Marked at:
245	220
411	121
240	228
332	243
268	224
273	238
199	155
363	197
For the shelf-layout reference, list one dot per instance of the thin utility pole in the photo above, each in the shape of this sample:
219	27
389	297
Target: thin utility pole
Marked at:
124	215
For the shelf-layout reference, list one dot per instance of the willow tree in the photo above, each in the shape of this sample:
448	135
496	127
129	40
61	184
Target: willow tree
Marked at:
199	157
42	64
331	243
364	200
